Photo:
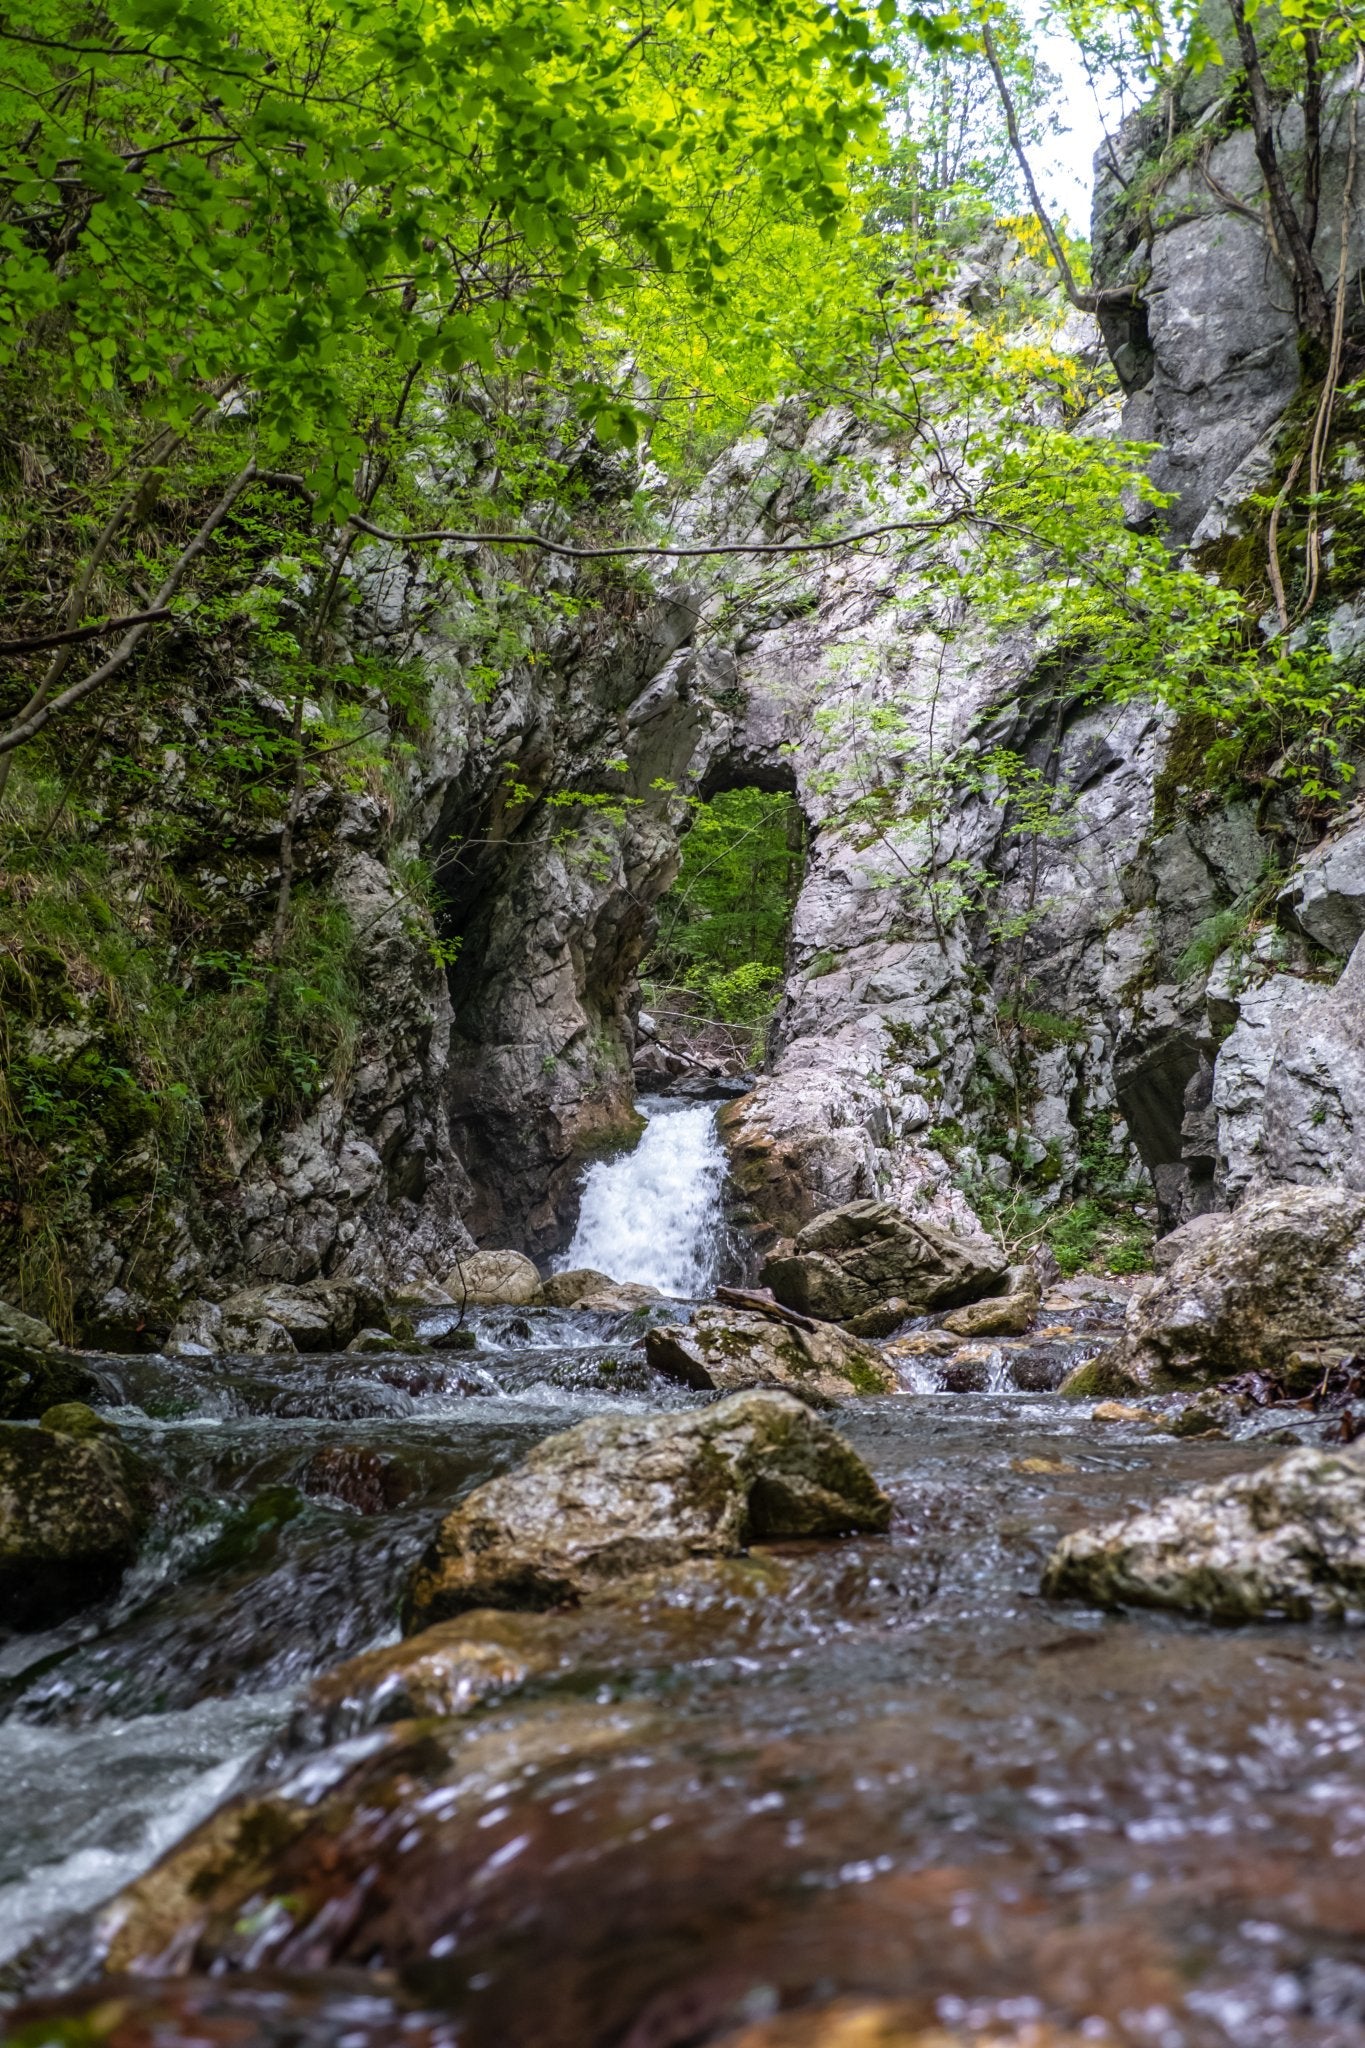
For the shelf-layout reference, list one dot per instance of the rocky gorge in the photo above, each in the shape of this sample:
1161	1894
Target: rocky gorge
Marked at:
866	1553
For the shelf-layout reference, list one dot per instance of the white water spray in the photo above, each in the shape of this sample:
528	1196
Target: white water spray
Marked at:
655	1216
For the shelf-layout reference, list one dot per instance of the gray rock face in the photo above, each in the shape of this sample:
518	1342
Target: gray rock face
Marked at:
1285	1269
1209	354
1289	1084
1325	895
69	1524
1285	1542
622	1494
855	1259
727	1349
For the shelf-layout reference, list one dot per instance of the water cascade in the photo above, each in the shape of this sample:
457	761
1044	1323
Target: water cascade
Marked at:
654	1215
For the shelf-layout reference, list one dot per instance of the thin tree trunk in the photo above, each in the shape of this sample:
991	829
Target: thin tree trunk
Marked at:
1308	284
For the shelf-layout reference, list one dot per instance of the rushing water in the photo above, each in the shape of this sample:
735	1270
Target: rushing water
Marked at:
654	1215
878	1769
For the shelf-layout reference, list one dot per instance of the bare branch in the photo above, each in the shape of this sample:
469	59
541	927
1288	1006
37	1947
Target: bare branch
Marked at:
28	727
33	643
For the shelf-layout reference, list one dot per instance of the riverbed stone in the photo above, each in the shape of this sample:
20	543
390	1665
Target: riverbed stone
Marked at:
1285	1270
374	1342
855	1259
36	1371
320	1315
624	1493
727	1349
563	1290
495	1280
69	1524
999	1315
1287	1541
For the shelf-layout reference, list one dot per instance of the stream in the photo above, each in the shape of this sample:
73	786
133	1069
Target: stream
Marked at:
883	1769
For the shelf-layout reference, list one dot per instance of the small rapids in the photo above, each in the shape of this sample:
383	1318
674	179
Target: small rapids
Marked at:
882	1768
654	1215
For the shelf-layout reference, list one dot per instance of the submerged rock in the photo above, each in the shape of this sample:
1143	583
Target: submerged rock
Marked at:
36	1372
1285	1270
728	1349
69	1524
495	1280
1285	1542
623	1493
855	1260
653	1621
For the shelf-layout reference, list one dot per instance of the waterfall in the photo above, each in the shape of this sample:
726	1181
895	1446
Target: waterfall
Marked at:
654	1216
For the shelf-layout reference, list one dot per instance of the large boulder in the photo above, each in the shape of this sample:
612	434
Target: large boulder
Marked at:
1285	1271
319	1315
495	1280
624	1493
562	1290
69	1522
727	1349
851	1262
1287	1541
36	1371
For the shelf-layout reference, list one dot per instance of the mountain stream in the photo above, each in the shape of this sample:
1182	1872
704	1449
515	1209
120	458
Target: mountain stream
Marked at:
879	1776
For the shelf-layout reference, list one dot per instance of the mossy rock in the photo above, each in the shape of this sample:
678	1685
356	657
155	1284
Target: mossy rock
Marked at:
1098	1379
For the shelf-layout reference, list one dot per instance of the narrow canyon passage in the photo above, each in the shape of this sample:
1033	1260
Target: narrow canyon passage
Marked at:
878	1775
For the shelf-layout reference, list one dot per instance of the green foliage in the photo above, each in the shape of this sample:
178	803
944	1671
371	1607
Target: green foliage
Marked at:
133	1066
722	928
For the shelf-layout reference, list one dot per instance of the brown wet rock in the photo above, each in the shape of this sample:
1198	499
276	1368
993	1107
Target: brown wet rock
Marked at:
659	1620
728	1349
623	1493
372	1482
233	2012
1288	1540
869	2023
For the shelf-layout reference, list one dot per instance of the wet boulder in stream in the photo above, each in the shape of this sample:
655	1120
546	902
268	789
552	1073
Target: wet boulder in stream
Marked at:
728	1349
70	1518
1284	1271
35	1370
320	1315
495	1280
625	1493
1286	1542
860	1261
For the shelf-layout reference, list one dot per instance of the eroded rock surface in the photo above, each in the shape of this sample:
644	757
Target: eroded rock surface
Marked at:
1287	1541
853	1261
727	1349
625	1493
1286	1269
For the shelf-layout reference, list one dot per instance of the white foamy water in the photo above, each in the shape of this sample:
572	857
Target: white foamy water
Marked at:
90	1809
655	1216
